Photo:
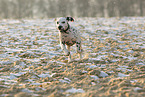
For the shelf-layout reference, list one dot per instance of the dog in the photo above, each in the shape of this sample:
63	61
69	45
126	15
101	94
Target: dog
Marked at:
68	36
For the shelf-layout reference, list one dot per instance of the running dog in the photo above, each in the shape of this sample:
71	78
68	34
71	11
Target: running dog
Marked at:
68	36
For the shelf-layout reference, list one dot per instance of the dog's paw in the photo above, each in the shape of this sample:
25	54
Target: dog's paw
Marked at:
80	51
67	53
69	60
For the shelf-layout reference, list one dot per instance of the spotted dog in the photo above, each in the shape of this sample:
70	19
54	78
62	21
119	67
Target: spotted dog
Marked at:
68	36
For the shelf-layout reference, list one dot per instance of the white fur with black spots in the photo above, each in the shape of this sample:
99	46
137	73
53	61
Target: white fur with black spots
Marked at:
68	36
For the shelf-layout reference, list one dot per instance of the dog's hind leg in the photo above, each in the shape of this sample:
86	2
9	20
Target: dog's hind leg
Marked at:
79	49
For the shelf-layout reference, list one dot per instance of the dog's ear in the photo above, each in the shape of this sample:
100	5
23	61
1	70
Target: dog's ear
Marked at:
70	19
55	19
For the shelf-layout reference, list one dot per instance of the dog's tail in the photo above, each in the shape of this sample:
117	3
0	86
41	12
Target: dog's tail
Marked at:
70	19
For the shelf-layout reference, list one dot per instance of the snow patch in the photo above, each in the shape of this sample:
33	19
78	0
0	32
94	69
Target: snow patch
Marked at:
103	74
92	66
95	77
63	81
122	75
73	90
136	89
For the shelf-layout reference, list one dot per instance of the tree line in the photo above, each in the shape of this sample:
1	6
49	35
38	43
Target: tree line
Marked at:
17	9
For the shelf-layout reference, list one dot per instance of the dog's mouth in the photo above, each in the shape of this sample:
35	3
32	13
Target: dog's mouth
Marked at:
61	29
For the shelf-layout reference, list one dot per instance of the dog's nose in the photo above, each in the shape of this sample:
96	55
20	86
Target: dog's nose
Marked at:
59	27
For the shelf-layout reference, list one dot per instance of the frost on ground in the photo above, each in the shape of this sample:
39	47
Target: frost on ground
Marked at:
32	63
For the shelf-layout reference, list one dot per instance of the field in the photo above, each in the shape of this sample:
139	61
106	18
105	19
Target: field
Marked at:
113	64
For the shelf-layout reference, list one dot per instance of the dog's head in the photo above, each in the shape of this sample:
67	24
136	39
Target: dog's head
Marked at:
62	23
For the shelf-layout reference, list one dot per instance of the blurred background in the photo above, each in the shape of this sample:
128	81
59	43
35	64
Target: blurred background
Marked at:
17	9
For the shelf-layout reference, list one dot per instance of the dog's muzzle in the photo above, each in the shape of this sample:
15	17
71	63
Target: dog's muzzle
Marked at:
59	27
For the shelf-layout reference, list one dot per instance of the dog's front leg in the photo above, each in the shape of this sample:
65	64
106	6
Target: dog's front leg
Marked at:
69	57
63	47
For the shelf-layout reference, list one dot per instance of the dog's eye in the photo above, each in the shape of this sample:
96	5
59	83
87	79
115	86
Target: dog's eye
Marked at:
57	22
63	22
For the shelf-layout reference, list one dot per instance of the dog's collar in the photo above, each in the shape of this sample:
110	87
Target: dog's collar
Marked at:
67	28
65	31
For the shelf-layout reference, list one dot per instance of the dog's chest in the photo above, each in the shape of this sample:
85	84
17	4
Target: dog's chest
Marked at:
69	37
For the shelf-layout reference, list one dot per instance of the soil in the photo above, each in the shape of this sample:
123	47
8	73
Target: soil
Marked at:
33	64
